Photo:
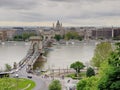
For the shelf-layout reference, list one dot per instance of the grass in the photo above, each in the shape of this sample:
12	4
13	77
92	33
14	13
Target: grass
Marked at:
80	75
16	84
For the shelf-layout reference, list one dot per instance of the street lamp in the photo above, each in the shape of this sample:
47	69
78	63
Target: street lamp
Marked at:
53	73
53	70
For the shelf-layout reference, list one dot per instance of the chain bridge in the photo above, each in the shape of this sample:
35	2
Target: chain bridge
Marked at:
34	52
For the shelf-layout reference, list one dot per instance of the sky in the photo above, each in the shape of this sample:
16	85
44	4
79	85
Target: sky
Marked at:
69	12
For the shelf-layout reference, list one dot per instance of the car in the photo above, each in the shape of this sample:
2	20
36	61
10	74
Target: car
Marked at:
29	76
16	75
29	71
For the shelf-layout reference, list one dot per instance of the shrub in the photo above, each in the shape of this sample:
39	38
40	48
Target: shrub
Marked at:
55	85
90	72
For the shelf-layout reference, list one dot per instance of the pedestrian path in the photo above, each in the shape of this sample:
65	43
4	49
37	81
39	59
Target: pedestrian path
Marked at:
67	83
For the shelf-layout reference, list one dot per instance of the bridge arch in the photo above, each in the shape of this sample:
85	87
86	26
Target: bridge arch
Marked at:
36	44
35	47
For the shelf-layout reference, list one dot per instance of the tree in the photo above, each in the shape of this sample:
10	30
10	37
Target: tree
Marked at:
89	83
55	85
101	53
24	36
7	67
90	72
58	37
73	35
77	66
110	80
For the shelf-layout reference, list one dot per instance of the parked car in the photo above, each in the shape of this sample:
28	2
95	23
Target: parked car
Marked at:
29	76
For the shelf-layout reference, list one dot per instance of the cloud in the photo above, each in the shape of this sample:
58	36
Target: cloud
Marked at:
77	0
18	4
68	11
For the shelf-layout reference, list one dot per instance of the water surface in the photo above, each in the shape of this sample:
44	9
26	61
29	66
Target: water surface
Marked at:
61	56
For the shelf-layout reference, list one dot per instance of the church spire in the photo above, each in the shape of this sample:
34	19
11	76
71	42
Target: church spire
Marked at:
53	26
58	23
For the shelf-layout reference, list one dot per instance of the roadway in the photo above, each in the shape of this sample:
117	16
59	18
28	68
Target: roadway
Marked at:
21	71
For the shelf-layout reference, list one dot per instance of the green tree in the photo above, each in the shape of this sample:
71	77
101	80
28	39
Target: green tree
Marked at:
101	53
77	66
7	67
90	72
55	85
110	80
24	36
73	35
89	83
58	37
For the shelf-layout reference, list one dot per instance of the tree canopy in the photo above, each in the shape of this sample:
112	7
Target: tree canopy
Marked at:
23	36
101	53
110	80
55	85
77	66
7	67
73	35
108	77
58	37
90	72
87	84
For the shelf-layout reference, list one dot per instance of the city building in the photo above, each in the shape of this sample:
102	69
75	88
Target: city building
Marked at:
3	35
49	33
10	34
116	33
102	33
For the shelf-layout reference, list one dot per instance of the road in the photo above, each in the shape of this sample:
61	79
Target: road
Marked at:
22	73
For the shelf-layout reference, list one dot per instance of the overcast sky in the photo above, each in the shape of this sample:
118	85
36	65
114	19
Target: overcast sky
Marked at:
69	12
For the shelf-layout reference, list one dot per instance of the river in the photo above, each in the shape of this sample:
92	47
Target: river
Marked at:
11	52
59	56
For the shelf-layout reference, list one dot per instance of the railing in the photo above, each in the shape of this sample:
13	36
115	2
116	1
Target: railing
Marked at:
34	58
25	58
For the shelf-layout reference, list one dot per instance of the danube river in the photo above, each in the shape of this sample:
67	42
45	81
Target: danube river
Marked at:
59	56
11	52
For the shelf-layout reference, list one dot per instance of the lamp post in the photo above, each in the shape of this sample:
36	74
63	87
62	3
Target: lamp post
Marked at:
53	73
53	70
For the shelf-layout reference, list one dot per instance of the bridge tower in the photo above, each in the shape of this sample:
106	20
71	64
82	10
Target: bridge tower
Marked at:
35	50
36	44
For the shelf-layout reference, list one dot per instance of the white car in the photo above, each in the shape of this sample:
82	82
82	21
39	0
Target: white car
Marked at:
16	75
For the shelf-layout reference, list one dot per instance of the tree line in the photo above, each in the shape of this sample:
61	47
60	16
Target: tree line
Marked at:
68	36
